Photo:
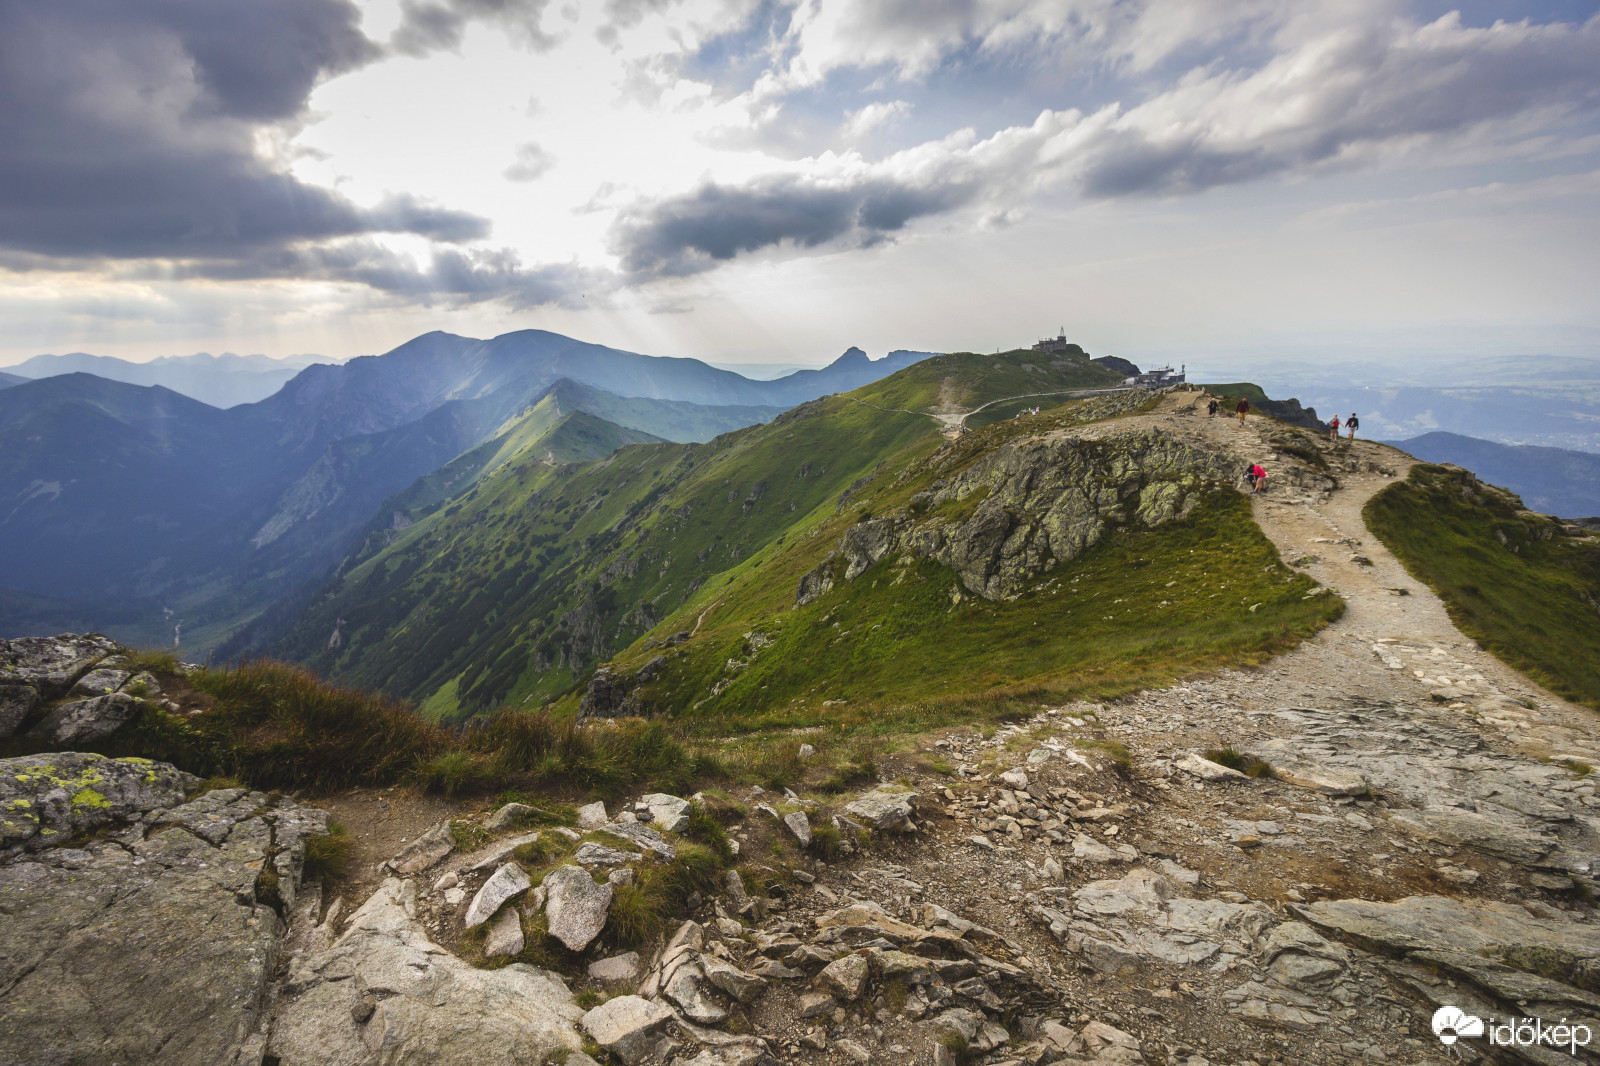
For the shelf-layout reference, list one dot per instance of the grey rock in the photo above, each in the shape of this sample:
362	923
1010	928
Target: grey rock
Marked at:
670	813
17	702
882	810
152	950
575	907
509	816
212	816
743	1052
643	837
432	1007
742	986
1206	770
816	1004
846	978
623	876
101	681
855	1052
592	854
626	1026
685	986
799	827
1045	501
46	798
734	885
1498	947
508	881
52	665
592	815
624	967
91	719
505	934
424	851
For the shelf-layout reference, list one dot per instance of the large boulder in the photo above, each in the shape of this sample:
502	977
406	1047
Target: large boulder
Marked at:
151	943
46	798
881	809
575	907
90	719
625	1026
384	992
670	813
35	670
52	664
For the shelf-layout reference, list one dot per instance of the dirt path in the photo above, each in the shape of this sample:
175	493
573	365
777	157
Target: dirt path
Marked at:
1396	640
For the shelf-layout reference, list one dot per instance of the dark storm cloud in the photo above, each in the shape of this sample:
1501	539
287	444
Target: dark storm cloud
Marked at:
687	234
429	26
128	130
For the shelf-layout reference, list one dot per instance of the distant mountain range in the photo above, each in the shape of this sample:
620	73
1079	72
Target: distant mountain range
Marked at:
1554	481
220	380
151	502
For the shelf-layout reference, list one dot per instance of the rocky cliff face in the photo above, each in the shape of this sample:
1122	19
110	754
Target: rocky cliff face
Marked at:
140	925
1028	505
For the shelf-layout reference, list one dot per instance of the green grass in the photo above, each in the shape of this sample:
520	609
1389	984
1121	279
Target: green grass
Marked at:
515	590
277	726
328	857
894	645
1511	580
1234	759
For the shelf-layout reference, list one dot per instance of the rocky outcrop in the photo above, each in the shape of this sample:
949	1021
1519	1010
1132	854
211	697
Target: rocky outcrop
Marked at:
37	672
153	940
384	992
1028	505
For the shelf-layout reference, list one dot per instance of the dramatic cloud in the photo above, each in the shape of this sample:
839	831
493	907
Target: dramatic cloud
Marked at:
1331	97
130	130
713	224
431	26
135	132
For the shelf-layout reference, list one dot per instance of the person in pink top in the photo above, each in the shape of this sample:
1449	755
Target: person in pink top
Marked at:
1258	477
1333	428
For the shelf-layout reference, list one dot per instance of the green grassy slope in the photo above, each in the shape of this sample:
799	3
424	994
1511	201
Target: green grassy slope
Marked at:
518	590
1512	580
903	641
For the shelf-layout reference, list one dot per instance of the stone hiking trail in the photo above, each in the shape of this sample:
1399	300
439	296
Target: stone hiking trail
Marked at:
1030	899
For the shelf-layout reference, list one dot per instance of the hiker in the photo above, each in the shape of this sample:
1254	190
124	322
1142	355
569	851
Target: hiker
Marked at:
1250	476
1211	409
1258	478
1243	408
1351	424
1333	428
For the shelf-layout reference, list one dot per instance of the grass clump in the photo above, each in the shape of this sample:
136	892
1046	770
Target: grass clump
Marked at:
328	857
468	836
704	828
1233	759
641	911
825	839
1118	751
1513	581
151	660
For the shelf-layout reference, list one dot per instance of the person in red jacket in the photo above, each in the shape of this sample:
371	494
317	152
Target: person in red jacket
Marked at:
1258	478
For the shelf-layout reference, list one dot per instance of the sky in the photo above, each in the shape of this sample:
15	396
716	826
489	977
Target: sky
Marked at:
755	181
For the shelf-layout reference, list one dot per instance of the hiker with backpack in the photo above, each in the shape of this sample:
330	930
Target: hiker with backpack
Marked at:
1351	424
1333	428
1243	408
